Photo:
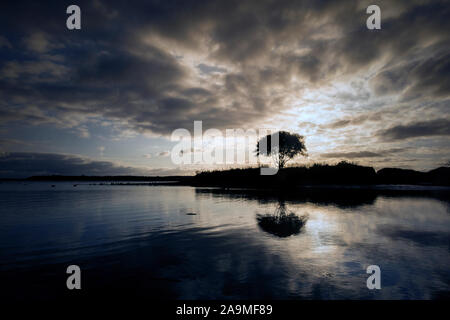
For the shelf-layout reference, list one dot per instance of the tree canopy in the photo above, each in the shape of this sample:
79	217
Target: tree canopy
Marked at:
289	146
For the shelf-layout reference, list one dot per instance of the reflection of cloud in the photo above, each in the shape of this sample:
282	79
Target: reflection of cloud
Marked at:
5	43
327	260
423	238
39	42
333	251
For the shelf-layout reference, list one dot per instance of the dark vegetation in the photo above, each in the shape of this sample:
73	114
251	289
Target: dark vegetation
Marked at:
282	146
288	146
343	173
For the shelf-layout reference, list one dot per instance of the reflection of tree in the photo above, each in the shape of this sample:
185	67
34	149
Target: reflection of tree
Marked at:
280	223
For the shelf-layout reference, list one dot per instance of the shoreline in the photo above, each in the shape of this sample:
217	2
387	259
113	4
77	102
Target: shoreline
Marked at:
289	188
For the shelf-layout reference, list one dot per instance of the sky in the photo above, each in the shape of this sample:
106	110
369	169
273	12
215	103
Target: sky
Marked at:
105	99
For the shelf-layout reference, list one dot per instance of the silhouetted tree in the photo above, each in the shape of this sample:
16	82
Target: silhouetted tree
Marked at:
289	146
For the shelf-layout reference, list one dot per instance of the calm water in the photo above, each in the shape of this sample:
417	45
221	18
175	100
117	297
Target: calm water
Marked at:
190	243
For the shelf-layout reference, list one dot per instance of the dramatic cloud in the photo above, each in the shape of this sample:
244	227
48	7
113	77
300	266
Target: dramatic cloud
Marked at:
354	121
141	72
362	154
423	76
438	127
164	154
154	66
352	155
21	165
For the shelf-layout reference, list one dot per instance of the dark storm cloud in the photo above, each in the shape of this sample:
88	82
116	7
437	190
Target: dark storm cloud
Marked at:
352	155
429	76
130	62
206	69
29	164
362	154
357	120
437	127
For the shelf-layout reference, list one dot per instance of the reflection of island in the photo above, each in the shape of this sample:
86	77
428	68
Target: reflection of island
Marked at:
340	197
280	223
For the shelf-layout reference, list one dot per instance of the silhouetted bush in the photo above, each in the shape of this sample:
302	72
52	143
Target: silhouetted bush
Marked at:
343	173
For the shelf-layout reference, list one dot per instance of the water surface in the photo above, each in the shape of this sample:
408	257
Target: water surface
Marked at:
169	242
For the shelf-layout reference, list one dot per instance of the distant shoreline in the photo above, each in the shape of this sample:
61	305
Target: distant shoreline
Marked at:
342	174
